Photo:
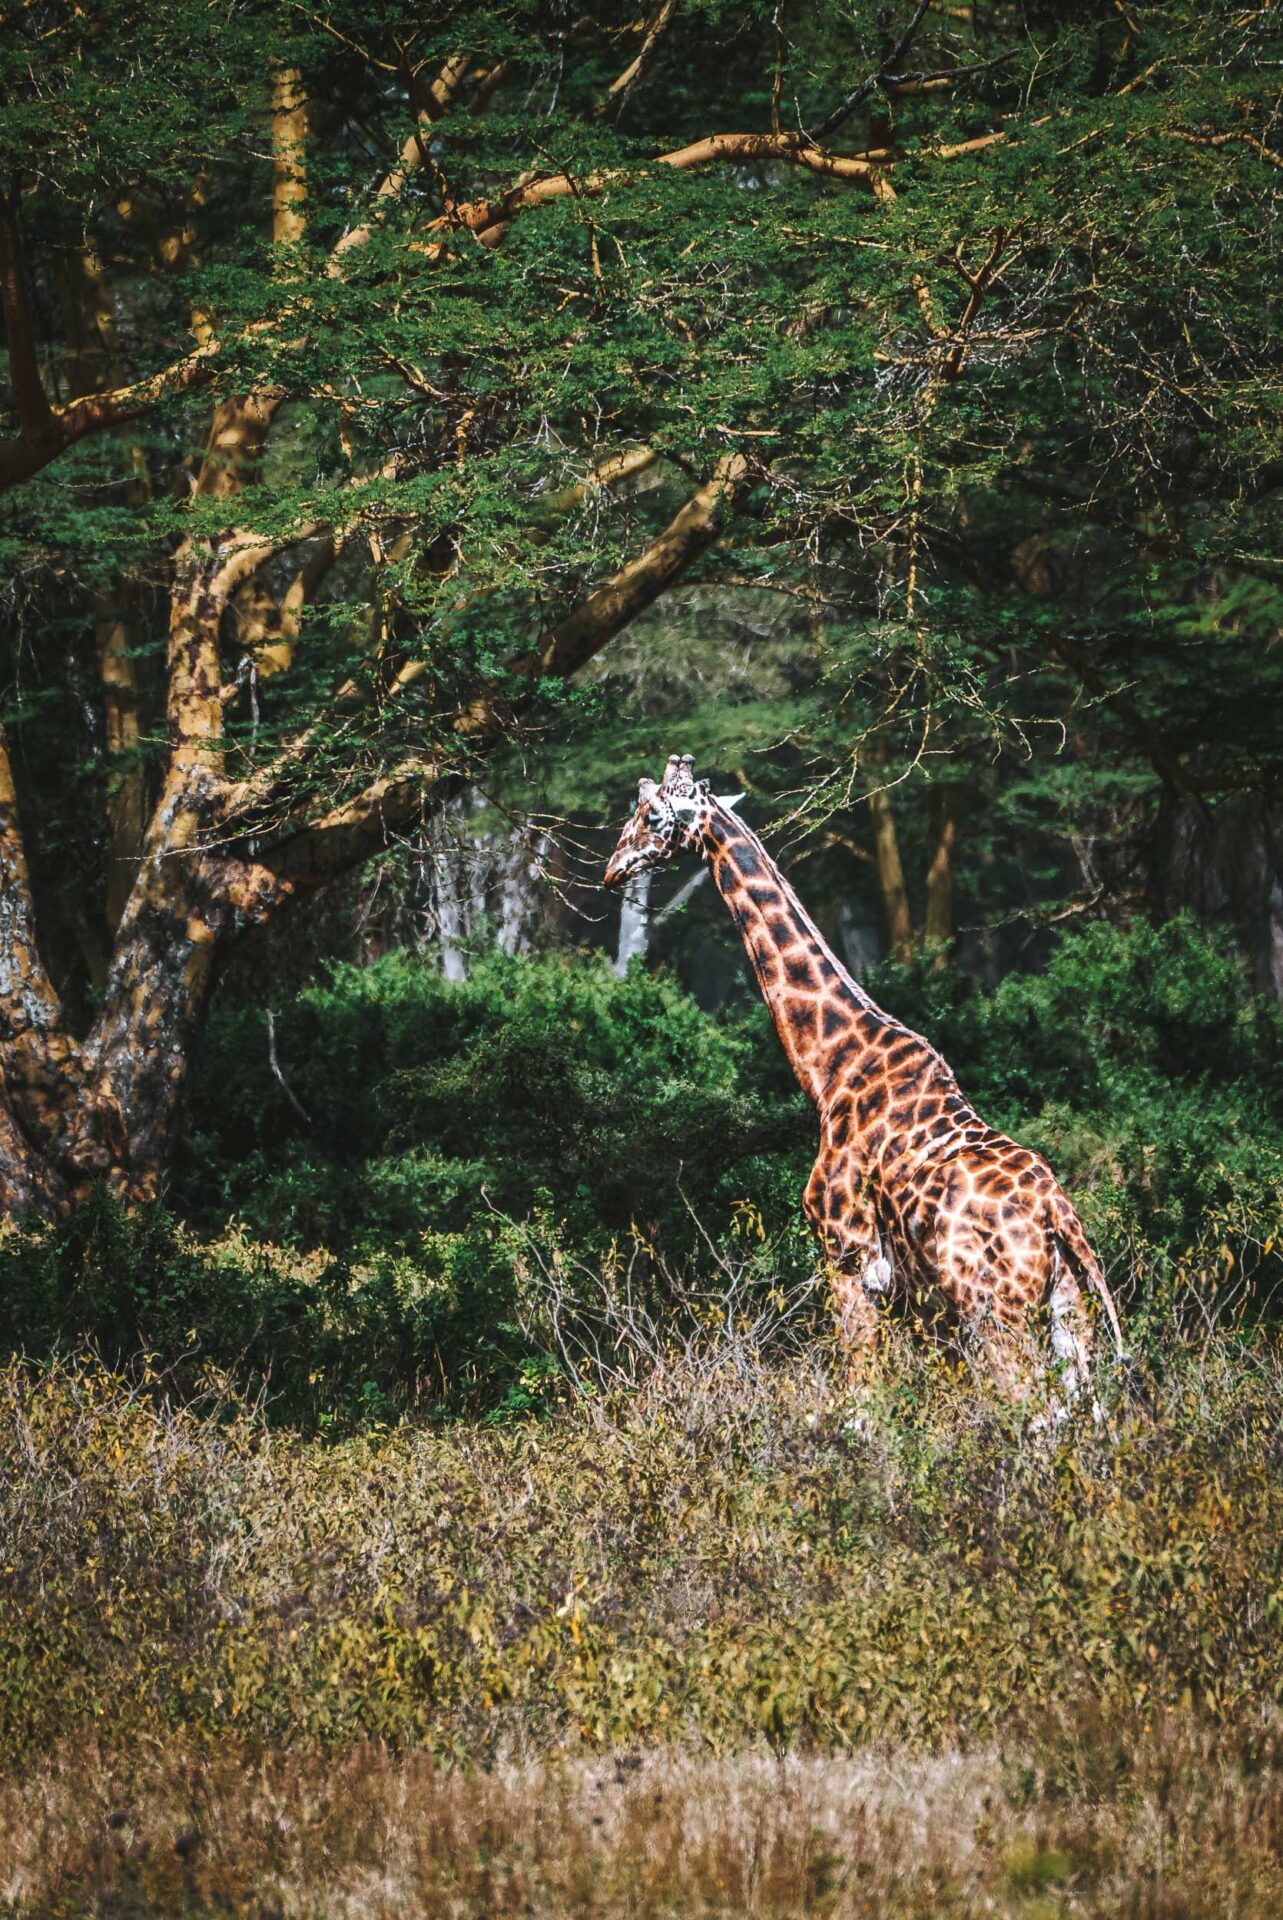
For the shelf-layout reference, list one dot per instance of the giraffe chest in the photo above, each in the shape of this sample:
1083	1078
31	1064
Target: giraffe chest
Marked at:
893	1150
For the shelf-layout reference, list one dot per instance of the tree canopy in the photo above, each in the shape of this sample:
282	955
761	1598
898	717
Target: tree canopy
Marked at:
895	388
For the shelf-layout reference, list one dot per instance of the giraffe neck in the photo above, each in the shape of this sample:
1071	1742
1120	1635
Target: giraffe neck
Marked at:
818	1009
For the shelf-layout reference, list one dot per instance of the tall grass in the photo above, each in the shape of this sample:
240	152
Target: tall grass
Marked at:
1164	1818
722	1553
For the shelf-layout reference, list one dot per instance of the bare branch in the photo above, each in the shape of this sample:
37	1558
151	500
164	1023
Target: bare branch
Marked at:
573	641
489	218
606	473
620	88
1224	139
858	95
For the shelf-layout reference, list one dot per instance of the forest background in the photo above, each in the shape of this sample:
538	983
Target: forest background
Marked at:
418	423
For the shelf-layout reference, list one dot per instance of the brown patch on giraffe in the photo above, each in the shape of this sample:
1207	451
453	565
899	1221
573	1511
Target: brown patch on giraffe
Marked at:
833	1020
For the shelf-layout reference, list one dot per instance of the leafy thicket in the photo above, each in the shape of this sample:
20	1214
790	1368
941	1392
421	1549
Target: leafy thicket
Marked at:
731	1556
433	1107
408	1165
1139	1061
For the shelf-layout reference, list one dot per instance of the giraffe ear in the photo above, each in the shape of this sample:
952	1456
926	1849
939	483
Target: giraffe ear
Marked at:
729	800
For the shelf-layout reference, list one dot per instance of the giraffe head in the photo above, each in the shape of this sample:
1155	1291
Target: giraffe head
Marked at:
664	823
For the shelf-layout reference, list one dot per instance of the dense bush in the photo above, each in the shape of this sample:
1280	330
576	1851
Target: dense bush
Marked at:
535	1084
1150	1076
376	1179
1138	1060
352	1225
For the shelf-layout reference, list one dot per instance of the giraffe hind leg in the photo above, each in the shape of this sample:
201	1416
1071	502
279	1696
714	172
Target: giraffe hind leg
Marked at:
1070	1338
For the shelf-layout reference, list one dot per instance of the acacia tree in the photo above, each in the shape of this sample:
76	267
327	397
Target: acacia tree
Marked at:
368	376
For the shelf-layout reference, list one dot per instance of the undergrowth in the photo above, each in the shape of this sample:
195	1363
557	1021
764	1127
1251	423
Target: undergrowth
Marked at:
728	1552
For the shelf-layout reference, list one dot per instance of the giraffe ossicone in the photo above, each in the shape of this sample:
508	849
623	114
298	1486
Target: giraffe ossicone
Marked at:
911	1189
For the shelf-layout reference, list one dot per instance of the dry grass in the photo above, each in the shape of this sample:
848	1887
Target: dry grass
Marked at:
1174	1821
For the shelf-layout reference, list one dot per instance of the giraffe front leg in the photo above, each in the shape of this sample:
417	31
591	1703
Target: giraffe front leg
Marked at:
857	1322
856	1266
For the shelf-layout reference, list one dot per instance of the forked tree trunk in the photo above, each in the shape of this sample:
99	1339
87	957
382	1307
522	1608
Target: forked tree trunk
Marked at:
109	1107
938	920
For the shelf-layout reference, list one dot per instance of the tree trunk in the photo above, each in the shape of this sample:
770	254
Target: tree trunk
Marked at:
939	919
895	895
126	797
180	918
634	923
56	1133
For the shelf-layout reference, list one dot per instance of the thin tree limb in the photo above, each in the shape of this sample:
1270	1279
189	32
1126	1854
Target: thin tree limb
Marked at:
620	88
858	95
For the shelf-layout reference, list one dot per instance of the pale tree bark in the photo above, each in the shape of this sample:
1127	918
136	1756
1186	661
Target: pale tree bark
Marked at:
289	150
937	925
634	923
127	798
616	94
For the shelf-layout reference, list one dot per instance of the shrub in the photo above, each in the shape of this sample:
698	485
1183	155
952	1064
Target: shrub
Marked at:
370	1237
432	1106
1141	1064
726	1553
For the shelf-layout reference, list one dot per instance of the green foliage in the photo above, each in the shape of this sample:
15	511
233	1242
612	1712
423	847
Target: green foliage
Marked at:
1141	1064
435	1107
1089	550
466	1146
375	1256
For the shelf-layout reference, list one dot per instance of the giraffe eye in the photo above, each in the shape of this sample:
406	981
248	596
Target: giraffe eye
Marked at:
655	817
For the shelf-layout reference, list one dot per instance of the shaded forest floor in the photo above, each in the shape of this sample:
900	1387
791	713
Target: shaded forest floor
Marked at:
720	1642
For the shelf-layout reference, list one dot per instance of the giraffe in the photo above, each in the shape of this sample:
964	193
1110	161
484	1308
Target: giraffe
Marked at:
911	1190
